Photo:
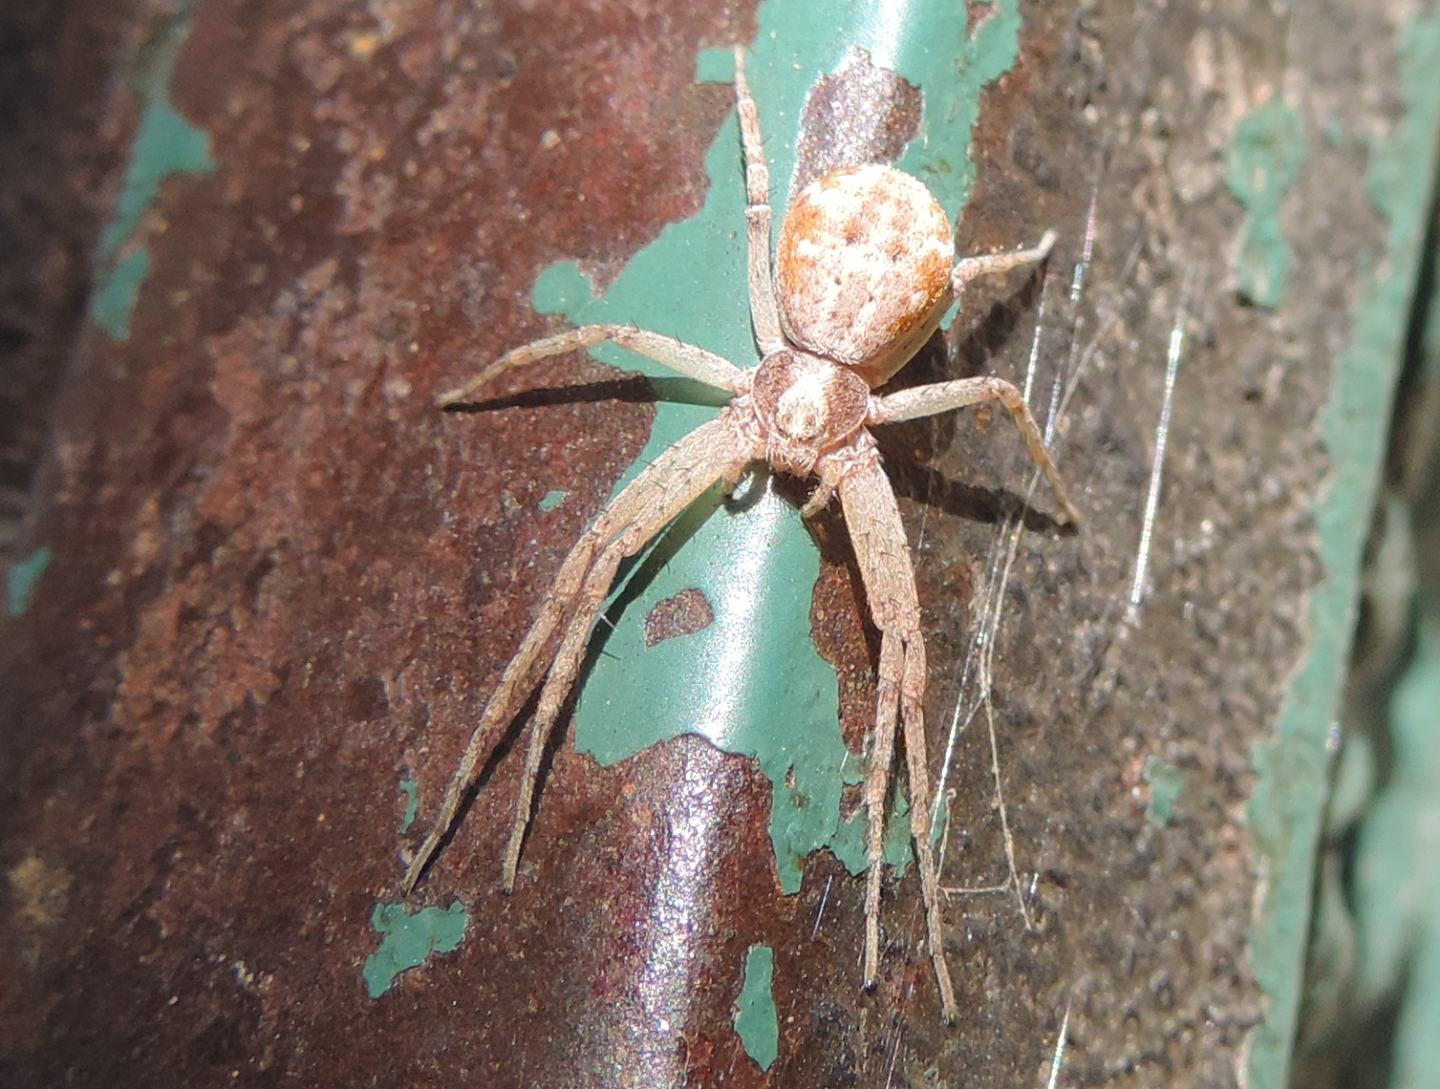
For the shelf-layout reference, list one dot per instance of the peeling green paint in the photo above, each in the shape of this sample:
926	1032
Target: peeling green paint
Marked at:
1399	871
411	789
409	940
756	1020
1285	808
165	144
115	294
1265	155
752	682
553	499
1166	784
848	843
21	579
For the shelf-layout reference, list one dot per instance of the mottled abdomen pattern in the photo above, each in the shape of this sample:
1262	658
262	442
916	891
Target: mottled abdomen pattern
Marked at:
863	264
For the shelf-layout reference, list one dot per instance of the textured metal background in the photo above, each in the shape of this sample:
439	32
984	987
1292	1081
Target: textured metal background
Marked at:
268	587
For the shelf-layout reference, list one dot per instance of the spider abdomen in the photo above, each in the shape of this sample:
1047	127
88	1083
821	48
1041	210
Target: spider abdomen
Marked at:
863	267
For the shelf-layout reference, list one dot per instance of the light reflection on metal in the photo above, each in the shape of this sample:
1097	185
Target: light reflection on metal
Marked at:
887	30
677	910
740	599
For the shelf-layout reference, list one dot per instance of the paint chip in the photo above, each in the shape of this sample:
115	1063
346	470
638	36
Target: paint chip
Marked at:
409	940
411	789
1265	156
756	1020
1166	783
21	579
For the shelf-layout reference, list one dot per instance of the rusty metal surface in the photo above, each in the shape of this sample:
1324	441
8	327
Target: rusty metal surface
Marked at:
284	584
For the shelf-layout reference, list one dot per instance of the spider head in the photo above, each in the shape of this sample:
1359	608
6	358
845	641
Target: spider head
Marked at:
805	406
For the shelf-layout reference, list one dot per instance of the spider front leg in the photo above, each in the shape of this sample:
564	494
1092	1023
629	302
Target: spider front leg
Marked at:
714	451
911	404
764	313
883	555
687	359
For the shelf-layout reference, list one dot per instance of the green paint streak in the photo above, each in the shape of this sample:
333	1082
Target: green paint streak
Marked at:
1265	155
756	1020
848	843
553	499
1396	882
165	144
1166	784
409	940
115	295
411	789
752	682
1285	809
21	579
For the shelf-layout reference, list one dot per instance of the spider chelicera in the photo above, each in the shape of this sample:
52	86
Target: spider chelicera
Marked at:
863	273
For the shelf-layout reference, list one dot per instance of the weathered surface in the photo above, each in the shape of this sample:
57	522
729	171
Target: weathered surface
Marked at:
283	585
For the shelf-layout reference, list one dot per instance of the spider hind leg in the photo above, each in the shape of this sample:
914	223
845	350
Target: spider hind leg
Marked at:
714	451
883	555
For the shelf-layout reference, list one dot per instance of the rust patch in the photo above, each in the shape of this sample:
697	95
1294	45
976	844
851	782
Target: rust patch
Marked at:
684	613
861	114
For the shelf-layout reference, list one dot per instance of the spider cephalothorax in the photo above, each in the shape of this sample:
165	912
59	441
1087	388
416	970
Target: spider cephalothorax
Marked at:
806	406
863	273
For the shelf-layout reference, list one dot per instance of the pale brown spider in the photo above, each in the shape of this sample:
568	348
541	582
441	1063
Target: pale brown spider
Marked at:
862	277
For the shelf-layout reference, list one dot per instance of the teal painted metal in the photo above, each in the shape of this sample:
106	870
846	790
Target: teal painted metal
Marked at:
756	1020
165	145
1265	155
752	682
1285	809
1167	783
408	941
1397	882
21	579
411	789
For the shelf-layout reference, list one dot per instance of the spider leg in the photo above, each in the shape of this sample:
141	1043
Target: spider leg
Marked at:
910	404
686	359
883	554
713	451
764	314
990	264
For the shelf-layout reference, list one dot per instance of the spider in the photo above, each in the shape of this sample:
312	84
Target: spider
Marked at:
863	273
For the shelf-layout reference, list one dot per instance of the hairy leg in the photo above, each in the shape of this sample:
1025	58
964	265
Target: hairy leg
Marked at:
912	715
521	675
628	525
883	555
877	782
991	264
712	452
552	697
910	404
683	358
764	314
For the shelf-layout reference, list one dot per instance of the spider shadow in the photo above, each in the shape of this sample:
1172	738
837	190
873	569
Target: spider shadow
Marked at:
629	389
907	448
498	752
